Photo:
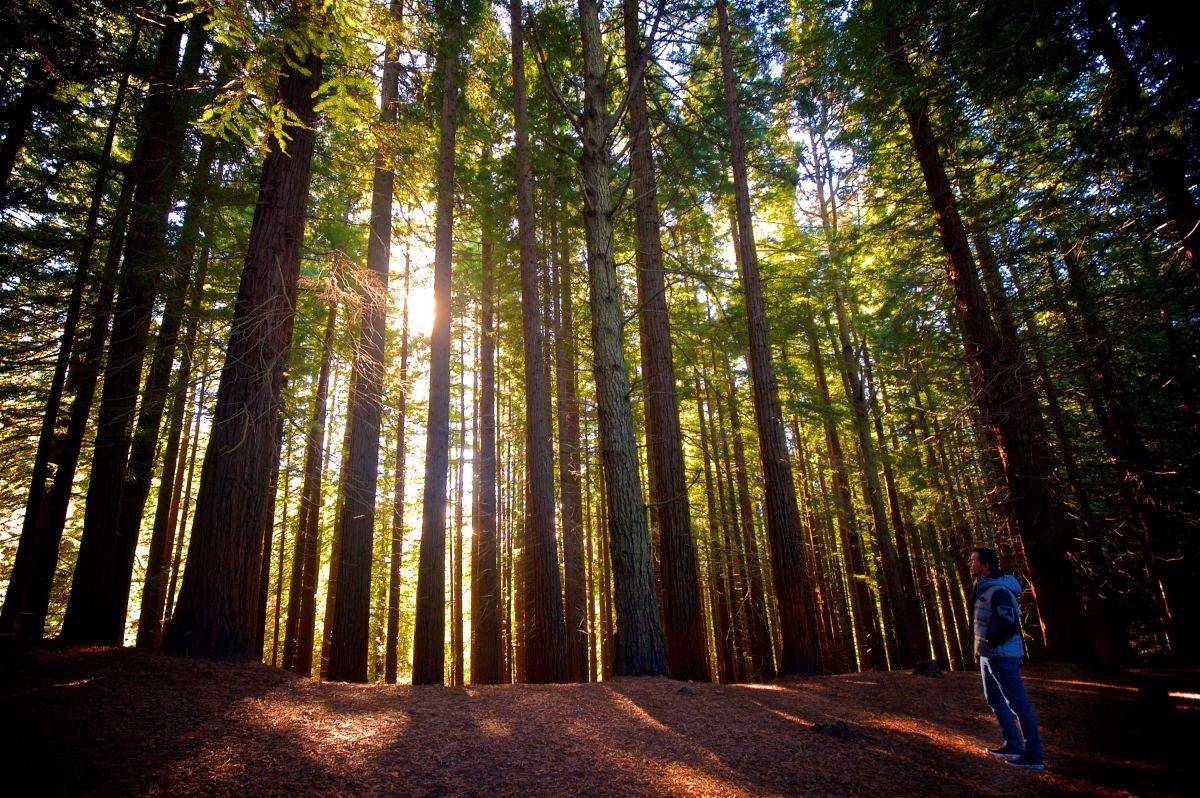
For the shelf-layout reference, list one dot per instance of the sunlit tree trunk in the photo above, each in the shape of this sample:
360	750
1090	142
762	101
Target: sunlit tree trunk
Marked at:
351	613
429	651
639	647
302	596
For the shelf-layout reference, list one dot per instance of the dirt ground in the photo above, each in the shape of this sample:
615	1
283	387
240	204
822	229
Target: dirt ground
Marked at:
116	721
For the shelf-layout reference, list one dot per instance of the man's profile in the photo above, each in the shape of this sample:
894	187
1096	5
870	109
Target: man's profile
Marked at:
996	625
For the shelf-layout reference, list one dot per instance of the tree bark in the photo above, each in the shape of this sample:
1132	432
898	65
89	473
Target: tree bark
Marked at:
683	609
719	596
215	614
100	586
1040	519
545	639
154	590
793	592
639	649
19	579
485	596
302	595
761	645
570	489
429	652
351	612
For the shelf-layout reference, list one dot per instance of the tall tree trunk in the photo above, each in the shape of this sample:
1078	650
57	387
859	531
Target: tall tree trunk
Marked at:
485	595
761	646
736	573
302	595
578	603
793	591
100	585
391	657
862	605
34	599
859	400
456	573
639	649
429	647
215	614
31	527
545	633
283	526
719	596
177	557
154	591
1040	519
268	536
683	608
139	471
351	613
1133	460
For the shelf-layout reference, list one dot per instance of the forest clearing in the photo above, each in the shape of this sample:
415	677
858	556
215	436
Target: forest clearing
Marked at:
613	397
166	726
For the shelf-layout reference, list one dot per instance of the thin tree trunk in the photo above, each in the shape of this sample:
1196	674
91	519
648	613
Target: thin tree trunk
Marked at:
456	588
760	635
578	603
283	526
351	613
792	589
485	596
302	597
429	647
862	605
391	657
545	638
177	557
719	596
154	588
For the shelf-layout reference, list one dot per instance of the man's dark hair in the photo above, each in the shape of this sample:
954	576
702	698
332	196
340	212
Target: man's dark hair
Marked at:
988	557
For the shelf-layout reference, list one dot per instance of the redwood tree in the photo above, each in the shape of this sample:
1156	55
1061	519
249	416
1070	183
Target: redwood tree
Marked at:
216	611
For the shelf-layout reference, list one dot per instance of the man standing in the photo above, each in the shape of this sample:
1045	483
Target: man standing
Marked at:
998	648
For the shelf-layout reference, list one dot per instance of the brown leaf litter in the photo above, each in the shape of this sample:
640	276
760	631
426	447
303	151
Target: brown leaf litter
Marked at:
117	721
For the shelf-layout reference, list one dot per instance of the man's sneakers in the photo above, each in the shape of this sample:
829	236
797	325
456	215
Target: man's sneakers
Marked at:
1006	752
1027	762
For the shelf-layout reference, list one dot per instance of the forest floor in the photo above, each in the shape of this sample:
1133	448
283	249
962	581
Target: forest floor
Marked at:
116	721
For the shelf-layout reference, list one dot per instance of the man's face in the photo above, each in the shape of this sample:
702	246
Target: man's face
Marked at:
976	568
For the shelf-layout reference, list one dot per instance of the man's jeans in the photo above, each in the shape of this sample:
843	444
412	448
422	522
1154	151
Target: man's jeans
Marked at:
1005	693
